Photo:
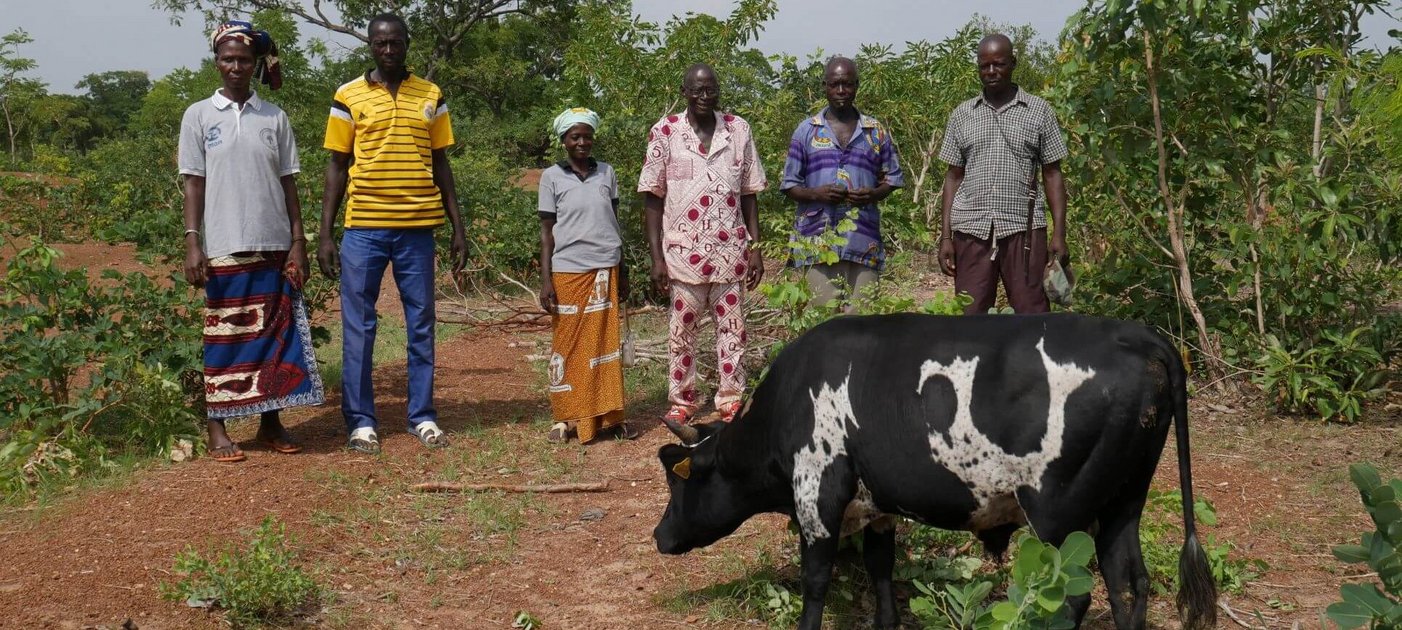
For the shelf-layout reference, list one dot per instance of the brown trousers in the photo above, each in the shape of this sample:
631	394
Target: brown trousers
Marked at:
977	275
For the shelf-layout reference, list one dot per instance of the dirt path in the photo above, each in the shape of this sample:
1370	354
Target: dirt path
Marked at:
391	559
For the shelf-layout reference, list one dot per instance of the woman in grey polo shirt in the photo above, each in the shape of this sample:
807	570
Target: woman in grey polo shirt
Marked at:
582	277
244	245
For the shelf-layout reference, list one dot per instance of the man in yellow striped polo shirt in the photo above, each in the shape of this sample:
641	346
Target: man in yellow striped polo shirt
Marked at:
388	134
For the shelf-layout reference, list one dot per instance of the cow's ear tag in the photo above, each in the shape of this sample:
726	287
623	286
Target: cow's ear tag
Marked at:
683	468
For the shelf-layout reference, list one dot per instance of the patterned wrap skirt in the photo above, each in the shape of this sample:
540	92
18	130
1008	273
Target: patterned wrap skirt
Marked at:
257	340
586	367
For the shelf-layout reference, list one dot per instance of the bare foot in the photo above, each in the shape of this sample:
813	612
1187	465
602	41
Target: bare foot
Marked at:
273	435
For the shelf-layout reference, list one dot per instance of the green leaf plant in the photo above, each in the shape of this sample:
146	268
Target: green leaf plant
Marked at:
1376	605
1042	576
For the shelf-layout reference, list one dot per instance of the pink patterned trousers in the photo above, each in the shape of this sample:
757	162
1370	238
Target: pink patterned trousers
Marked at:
722	303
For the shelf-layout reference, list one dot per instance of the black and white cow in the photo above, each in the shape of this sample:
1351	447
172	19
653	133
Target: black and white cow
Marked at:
979	423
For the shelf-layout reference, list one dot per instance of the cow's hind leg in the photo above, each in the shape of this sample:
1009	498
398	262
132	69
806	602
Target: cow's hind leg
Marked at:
1122	564
879	554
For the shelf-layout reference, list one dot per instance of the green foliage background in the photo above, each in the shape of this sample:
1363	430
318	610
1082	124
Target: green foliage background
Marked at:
1235	173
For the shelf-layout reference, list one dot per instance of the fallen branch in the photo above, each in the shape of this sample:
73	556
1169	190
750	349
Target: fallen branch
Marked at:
443	486
1222	603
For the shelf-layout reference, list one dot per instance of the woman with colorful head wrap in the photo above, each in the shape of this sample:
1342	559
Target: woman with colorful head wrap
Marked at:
244	244
583	280
266	68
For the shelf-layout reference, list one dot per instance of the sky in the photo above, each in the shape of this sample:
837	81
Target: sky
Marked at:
74	38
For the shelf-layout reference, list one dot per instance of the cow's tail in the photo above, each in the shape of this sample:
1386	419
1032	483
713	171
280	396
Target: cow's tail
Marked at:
1197	590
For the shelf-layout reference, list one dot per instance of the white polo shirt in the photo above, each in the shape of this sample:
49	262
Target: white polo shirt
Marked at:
242	153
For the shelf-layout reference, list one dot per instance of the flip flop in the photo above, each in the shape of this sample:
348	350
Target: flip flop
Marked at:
678	414
729	410
286	448
364	440
234	454
429	434
625	431
559	433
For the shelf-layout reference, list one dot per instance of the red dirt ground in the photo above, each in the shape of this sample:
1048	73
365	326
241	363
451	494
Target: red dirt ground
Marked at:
392	559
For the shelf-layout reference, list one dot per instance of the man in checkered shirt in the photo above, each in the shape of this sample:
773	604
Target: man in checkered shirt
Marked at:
994	145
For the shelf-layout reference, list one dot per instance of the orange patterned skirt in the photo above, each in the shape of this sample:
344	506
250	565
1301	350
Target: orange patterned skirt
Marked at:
586	368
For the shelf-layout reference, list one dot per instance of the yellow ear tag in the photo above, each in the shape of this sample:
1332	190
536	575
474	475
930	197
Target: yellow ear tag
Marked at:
683	468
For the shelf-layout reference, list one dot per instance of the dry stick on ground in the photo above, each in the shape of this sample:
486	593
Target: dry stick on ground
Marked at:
1222	603
443	486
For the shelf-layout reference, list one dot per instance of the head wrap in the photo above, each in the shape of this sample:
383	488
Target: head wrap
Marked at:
267	70
573	116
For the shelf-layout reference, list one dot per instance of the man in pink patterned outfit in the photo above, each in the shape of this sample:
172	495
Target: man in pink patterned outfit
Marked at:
700	176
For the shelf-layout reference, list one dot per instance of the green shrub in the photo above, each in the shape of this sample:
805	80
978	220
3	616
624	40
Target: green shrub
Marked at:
503	229
1334	378
260	583
88	370
1042	577
932	556
1374	605
790	295
1161	538
38	206
131	189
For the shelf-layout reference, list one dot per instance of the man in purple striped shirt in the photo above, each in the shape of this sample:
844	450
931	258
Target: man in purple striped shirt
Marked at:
840	160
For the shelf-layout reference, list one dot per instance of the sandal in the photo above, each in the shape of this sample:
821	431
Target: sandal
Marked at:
232	454
559	433
729	410
429	434
285	447
364	440
624	431
678	414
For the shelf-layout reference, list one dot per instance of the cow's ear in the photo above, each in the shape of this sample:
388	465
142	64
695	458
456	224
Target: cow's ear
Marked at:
676	459
708	430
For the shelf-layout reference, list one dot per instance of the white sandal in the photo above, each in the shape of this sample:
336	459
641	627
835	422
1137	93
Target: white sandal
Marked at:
429	434
364	440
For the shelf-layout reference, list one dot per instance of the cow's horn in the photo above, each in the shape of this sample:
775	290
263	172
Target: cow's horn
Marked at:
689	435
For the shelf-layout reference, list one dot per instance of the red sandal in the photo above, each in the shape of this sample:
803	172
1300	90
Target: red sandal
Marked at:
678	414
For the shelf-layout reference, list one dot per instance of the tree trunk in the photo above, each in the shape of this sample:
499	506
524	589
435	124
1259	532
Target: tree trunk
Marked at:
1317	143
929	156
1175	210
9	127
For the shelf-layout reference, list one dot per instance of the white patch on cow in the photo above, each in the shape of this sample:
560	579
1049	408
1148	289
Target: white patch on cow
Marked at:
989	471
832	410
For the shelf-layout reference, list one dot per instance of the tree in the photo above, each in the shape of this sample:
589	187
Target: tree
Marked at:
631	70
440	25
13	88
1203	202
115	97
61	120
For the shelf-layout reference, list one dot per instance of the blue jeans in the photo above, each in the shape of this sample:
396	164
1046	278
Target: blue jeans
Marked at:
364	255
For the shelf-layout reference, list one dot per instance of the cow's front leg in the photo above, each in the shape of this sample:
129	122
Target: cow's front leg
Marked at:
817	558
879	554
